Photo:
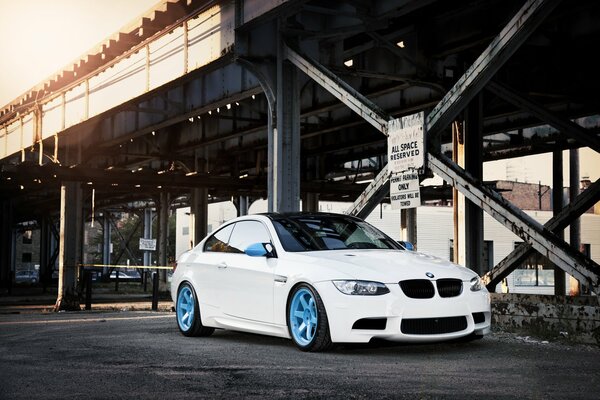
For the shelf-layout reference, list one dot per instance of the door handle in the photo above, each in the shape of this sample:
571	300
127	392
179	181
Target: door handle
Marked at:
222	265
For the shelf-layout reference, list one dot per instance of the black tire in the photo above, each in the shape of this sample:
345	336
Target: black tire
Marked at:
187	313
320	340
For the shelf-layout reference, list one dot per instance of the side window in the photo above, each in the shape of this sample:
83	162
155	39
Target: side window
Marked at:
218	241
246	233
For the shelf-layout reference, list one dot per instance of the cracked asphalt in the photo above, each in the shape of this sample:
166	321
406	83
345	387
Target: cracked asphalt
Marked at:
142	355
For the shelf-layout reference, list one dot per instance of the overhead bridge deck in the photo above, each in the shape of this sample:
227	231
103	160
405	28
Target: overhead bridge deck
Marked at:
204	100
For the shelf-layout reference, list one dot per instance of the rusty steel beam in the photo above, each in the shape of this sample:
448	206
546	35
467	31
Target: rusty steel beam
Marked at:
563	125
345	93
471	83
50	175
582	203
358	103
540	238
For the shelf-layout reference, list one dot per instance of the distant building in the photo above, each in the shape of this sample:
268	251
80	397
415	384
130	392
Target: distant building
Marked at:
27	249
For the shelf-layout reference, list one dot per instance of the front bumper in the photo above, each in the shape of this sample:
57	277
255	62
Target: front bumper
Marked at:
343	311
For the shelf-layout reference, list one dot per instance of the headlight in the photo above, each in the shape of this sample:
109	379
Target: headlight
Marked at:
476	284
363	288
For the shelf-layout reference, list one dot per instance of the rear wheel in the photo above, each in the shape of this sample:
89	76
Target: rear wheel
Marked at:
307	320
188	313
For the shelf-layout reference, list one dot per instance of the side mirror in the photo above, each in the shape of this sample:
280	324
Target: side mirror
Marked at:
260	250
407	245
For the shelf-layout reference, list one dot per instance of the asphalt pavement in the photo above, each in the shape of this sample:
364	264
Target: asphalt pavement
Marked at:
142	355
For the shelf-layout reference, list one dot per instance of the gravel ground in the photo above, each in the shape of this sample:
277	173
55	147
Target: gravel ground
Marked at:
137	354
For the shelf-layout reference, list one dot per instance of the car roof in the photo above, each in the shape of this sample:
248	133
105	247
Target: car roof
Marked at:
307	214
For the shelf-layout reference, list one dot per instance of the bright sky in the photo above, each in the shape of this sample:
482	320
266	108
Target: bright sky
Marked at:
538	168
40	37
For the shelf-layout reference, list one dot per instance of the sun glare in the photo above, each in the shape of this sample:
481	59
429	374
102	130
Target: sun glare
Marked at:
41	36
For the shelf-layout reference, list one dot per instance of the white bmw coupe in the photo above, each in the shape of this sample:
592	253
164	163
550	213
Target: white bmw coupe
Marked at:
321	279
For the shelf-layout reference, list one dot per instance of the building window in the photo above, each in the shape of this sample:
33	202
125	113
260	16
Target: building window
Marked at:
27	237
536	270
586	249
185	231
26	257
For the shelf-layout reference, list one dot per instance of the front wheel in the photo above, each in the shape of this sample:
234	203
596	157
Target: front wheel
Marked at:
307	320
188	313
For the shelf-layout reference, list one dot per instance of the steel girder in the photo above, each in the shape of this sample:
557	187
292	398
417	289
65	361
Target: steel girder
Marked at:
584	201
471	83
531	231
518	29
563	125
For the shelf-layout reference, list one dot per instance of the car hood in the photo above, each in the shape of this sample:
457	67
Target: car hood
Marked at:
386	266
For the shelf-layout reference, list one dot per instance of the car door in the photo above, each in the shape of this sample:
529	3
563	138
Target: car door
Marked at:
247	281
206	271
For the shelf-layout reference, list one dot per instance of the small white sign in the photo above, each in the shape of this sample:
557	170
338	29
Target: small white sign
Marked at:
406	143
148	244
405	190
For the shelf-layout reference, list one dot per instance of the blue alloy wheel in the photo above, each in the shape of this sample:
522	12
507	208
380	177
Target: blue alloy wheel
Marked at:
303	317
185	308
188	313
307	319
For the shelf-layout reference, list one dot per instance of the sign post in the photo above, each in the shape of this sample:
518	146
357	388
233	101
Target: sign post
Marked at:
404	190
148	244
406	143
406	154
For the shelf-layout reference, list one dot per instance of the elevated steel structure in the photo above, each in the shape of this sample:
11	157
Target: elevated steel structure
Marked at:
289	100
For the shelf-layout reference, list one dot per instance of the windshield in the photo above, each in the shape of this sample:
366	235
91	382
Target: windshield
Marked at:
316	232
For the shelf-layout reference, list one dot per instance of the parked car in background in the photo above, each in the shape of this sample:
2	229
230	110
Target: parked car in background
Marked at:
126	275
321	278
30	276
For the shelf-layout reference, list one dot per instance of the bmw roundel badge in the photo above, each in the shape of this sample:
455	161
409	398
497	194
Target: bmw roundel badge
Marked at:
429	275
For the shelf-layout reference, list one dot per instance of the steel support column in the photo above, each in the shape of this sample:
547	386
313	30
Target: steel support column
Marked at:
46	250
473	151
408	226
575	225
243	205
70	245
458	200
286	137
198	215
163	230
106	243
262	72
557	206
310	202
147	261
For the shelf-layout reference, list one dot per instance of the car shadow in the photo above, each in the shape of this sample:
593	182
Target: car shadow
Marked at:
375	346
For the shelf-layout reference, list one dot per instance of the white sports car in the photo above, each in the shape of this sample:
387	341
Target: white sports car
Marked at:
320	279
